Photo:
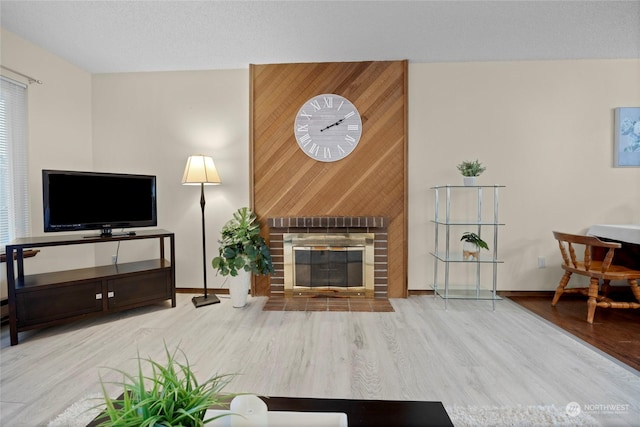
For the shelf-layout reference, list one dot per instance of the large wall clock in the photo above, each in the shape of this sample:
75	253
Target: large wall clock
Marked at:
328	127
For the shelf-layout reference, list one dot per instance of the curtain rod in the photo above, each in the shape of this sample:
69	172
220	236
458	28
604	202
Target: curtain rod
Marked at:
29	79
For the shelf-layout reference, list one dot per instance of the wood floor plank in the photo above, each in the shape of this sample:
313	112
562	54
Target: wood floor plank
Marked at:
466	355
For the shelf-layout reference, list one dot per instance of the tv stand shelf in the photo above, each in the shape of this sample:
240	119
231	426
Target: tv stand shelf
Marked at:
46	299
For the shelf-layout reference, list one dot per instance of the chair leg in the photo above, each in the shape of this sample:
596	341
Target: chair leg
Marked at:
560	289
592	302
605	287
635	288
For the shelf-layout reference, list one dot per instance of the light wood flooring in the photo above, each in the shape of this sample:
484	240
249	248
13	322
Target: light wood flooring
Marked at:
466	355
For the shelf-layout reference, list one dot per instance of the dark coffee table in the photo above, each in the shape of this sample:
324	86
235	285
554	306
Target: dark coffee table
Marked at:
364	413
369	413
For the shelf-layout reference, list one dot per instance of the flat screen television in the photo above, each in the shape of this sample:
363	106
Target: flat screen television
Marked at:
74	200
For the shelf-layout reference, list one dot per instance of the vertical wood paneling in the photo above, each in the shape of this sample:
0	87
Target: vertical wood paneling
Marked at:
371	181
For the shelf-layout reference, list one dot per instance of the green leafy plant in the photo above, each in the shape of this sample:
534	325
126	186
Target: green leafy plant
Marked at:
475	239
471	168
242	247
169	396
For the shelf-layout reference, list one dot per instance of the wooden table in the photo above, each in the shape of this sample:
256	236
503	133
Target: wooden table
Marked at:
626	234
365	413
629	233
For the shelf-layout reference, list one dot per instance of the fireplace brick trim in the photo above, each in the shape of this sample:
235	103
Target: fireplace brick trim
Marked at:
330	224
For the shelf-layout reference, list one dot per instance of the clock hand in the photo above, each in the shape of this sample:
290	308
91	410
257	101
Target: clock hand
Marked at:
332	125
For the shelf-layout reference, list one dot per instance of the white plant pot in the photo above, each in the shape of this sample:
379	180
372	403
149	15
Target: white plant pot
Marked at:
239	288
470	250
469	180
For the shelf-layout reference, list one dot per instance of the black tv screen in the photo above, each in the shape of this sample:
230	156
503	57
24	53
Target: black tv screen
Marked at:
75	200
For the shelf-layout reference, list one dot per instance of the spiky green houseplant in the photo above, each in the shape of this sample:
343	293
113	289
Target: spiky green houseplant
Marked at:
169	397
242	247
471	168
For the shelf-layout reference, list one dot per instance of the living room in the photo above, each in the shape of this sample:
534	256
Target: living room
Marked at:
553	115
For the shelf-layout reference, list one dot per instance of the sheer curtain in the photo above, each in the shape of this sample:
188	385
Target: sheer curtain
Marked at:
14	185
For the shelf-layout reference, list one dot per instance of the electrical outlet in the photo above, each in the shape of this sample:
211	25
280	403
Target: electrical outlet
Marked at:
114	259
542	262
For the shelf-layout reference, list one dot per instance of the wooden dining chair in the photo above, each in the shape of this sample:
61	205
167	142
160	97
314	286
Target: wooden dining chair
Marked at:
596	270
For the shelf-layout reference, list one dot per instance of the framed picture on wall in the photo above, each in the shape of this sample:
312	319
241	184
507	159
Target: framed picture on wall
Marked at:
627	137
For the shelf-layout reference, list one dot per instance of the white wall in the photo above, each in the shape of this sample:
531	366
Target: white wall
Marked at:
543	129
150	123
59	115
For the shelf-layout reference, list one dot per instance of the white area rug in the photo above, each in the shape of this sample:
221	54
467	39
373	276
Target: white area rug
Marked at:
517	416
80	413
84	411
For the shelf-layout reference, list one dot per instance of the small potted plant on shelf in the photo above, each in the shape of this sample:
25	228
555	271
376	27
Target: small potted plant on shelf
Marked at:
470	170
471	246
169	396
242	249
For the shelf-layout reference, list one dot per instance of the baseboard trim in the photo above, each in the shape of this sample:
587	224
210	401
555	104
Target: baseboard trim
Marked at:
411	292
526	293
201	291
501	293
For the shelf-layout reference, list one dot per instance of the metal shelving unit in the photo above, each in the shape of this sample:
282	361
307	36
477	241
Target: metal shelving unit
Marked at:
483	219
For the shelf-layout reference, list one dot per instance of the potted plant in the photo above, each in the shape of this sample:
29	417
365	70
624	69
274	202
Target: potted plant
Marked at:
169	396
471	246
242	248
470	170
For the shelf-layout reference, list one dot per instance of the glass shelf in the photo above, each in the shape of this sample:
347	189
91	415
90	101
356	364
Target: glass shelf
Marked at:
466	222
457	257
467	186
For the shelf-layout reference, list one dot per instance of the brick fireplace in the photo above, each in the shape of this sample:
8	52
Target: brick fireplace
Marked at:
326	228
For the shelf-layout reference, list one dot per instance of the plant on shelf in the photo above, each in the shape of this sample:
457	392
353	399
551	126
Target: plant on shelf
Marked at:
474	239
472	244
471	168
242	247
169	396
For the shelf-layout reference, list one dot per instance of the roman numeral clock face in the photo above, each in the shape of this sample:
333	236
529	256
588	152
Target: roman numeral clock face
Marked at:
328	127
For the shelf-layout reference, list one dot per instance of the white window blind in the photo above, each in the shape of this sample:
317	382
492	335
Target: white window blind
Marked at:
14	185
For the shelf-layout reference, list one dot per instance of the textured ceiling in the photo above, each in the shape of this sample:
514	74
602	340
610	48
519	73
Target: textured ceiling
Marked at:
126	36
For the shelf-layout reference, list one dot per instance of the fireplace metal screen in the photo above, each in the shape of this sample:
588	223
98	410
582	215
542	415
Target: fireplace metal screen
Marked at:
335	262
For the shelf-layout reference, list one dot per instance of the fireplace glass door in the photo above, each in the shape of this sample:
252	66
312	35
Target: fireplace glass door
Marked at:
329	267
328	263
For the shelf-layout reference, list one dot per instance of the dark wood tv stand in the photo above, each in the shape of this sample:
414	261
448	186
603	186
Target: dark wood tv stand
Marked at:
47	299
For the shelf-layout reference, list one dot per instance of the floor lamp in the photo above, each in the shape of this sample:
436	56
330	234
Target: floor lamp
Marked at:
201	170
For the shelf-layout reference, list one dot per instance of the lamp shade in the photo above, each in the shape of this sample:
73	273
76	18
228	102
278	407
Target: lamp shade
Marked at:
200	170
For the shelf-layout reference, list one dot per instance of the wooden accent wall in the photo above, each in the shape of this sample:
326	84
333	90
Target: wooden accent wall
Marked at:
371	181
